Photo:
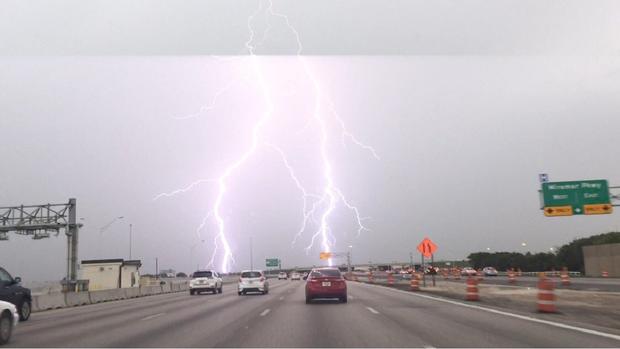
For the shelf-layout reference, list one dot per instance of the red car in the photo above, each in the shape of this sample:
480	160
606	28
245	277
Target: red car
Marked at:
326	283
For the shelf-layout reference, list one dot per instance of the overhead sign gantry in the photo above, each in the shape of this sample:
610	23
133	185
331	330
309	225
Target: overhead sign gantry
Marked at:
41	220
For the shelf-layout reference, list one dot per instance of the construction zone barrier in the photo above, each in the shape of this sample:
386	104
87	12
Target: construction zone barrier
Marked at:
390	279
511	276
415	282
371	278
480	275
604	274
457	274
546	295
564	277
445	274
472	290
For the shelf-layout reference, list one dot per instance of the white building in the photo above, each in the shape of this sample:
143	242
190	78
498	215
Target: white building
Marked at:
105	274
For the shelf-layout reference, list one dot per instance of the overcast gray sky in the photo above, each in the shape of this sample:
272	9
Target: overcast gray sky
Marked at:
465	102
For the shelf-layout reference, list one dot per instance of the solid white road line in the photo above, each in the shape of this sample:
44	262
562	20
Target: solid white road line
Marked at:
152	316
372	310
505	313
265	312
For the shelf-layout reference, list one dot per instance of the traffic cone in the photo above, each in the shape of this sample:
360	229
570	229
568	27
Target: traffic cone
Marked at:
415	283
546	296
564	276
472	290
511	276
480	275
604	274
390	279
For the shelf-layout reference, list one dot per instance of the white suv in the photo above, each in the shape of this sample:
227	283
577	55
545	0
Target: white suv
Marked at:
253	281
282	276
205	280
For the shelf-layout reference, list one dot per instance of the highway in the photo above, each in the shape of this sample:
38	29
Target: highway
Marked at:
374	317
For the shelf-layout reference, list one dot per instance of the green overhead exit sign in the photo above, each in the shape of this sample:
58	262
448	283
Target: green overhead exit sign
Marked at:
576	197
272	262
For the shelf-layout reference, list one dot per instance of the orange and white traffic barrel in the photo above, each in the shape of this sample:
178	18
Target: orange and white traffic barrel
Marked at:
445	274
519	272
457	274
371	279
546	295
564	277
472	290
415	283
604	274
480	275
390	279
511	276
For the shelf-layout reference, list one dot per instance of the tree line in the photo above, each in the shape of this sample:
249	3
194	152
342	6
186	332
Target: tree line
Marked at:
569	256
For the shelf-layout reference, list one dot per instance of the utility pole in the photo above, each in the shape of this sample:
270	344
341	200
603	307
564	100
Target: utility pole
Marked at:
130	229
411	259
156	268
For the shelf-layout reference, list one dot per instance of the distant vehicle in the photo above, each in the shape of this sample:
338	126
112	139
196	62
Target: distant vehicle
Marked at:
282	276
205	280
326	283
11	291
252	281
295	276
489	271
305	275
8	320
468	271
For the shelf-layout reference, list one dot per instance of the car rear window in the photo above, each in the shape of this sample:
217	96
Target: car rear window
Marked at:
203	274
250	274
325	273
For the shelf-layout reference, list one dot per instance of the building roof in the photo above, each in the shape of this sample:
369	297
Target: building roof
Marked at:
102	261
113	260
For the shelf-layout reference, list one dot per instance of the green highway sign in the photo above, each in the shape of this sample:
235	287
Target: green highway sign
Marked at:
576	197
272	262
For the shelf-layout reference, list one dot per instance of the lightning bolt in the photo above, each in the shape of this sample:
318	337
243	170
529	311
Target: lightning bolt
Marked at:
320	204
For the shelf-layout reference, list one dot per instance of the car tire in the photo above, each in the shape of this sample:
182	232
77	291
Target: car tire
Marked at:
191	292
343	299
25	309
308	300
215	291
6	327
219	290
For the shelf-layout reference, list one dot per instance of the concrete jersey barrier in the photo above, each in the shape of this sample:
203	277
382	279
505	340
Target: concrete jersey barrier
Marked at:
107	295
73	299
48	301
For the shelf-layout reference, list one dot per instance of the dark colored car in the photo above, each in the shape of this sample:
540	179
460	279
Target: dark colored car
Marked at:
11	291
326	283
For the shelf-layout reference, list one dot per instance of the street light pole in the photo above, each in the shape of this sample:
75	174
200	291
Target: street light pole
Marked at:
103	229
130	233
251	257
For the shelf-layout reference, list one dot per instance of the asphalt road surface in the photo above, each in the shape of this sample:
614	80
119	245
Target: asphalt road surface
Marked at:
374	317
